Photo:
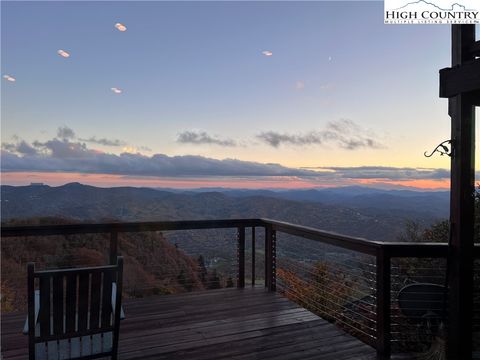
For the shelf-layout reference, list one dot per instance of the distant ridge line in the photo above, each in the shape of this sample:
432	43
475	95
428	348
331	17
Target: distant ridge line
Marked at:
429	3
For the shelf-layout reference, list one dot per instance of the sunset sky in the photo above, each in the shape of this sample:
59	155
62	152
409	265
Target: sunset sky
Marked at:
233	94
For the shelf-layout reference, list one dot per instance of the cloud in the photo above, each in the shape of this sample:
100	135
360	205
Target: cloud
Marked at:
64	149
105	142
75	157
130	150
65	155
62	146
25	148
344	132
9	147
68	156
86	161
201	137
20	147
65	133
276	139
348	135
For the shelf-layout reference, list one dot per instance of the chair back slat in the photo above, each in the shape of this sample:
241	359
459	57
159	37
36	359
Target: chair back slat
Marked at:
75	312
58	304
70	302
107	299
95	300
83	285
44	313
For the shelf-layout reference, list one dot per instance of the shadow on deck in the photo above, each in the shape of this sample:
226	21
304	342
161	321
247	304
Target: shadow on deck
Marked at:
216	324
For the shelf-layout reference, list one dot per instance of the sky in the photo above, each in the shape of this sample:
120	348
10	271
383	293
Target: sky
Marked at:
231	94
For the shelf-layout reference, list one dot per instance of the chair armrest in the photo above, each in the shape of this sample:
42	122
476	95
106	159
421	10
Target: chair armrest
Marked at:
37	310
114	297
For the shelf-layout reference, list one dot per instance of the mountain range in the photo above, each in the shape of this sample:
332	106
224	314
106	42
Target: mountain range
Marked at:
167	262
357	211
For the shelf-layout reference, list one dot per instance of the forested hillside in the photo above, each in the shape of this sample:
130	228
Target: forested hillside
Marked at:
88	203
157	263
152	264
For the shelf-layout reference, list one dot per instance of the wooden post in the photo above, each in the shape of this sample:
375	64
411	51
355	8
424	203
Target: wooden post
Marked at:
31	310
383	304
253	256
241	257
113	247
118	306
460	264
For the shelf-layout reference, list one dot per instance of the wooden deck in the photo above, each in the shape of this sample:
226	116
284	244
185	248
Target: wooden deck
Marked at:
216	324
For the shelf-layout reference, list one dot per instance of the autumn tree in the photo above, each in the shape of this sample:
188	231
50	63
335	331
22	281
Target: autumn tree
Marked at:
202	269
214	281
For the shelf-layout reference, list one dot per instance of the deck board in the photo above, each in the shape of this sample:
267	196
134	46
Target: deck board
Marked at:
217	324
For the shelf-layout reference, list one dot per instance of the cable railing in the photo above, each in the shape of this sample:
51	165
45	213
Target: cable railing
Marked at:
418	306
159	258
355	283
383	269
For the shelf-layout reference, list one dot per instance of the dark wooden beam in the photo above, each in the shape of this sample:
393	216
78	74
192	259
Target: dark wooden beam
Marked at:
460	262
475	49
461	79
463	38
241	256
416	250
474	97
253	256
46	230
346	242
393	249
113	247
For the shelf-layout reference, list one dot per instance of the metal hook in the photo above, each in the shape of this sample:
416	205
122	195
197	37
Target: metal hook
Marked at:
441	148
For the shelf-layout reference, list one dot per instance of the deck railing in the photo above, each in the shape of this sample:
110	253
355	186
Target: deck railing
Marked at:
373	262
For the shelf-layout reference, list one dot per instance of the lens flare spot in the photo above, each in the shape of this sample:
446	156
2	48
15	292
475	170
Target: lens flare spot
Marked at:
120	27
63	53
300	85
9	78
